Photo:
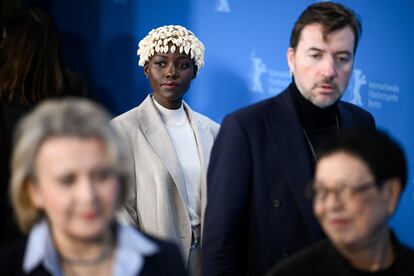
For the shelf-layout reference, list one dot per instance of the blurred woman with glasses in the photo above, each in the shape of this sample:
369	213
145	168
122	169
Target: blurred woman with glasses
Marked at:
359	178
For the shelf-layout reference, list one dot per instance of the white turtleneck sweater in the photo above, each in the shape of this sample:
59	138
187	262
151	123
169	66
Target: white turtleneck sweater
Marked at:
182	136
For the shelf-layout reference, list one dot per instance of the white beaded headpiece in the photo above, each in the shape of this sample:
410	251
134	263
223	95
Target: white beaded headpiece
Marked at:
182	40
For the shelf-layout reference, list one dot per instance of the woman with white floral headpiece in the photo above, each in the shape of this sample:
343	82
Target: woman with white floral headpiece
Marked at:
171	143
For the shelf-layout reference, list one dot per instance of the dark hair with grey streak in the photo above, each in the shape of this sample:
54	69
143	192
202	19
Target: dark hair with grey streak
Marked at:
331	16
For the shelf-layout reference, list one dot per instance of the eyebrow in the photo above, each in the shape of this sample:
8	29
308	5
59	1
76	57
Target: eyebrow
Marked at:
165	55
314	49
322	51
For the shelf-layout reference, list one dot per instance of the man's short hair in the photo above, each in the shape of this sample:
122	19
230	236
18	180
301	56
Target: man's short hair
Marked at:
331	16
383	156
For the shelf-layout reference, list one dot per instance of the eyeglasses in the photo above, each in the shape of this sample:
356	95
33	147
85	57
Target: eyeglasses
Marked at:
344	192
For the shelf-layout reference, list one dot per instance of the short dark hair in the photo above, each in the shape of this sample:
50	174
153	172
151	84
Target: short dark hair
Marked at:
331	16
384	156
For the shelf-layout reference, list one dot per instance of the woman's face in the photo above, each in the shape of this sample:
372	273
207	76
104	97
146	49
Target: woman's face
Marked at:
170	76
348	204
75	187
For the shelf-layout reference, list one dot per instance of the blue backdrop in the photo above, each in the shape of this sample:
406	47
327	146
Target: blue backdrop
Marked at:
246	44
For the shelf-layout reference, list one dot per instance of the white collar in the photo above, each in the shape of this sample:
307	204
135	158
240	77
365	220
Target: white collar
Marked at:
40	250
131	249
174	117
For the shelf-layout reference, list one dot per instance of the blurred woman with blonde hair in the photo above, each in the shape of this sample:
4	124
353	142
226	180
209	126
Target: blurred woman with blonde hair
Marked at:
69	176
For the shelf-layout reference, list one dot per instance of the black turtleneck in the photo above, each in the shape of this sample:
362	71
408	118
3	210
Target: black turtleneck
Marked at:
317	122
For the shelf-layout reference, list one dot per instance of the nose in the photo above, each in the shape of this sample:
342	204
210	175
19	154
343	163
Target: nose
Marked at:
171	72
86	193
329	68
333	200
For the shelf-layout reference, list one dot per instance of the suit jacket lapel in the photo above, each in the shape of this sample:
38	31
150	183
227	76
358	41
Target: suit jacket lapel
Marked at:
292	154
157	135
204	143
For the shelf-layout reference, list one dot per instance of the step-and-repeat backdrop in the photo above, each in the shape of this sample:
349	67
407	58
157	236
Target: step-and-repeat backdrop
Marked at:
245	60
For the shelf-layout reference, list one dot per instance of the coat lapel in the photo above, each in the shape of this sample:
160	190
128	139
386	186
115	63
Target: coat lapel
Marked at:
292	154
157	135
204	140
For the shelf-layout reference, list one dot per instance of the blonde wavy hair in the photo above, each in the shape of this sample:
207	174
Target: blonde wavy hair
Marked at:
70	117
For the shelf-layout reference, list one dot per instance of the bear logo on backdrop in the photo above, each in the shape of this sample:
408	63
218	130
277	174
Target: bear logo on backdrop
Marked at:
263	79
359	79
223	6
258	68
371	94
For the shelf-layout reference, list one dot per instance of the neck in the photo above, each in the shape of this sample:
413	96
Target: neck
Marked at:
83	251
310	114
171	104
373	255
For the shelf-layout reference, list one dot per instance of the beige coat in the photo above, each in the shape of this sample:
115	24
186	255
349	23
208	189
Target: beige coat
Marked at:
156	201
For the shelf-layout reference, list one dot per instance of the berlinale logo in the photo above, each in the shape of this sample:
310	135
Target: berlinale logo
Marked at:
223	6
359	80
257	70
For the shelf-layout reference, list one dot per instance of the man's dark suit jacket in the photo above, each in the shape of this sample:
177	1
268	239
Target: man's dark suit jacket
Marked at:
257	212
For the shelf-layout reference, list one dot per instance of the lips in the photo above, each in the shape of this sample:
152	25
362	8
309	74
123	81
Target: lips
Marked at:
339	223
89	215
169	84
326	87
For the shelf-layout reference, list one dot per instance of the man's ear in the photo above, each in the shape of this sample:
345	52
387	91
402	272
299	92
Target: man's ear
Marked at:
291	59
